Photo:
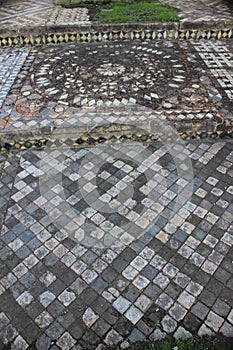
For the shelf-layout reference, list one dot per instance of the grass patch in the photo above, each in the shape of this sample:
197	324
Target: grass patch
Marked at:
141	12
194	343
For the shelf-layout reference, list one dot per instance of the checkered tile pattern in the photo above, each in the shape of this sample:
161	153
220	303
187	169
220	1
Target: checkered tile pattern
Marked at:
10	64
40	13
201	11
176	277
105	197
219	60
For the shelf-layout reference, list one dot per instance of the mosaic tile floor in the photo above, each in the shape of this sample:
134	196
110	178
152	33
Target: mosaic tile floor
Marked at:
15	14
123	241
174	276
11	63
219	61
58	82
202	10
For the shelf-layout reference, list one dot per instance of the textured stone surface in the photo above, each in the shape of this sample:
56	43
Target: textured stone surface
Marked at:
59	90
74	289
41	13
73	275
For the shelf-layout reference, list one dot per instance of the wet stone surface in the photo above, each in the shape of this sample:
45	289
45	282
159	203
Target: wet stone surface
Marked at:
174	277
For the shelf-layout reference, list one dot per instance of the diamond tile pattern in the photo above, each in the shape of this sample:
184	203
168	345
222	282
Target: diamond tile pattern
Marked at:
54	288
219	61
10	62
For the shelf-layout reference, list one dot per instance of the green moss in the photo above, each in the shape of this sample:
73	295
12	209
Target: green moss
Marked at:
193	343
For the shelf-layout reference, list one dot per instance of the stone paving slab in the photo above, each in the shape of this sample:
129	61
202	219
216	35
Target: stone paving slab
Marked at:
185	82
68	288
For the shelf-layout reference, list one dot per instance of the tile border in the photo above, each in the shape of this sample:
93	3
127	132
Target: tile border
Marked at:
52	137
99	33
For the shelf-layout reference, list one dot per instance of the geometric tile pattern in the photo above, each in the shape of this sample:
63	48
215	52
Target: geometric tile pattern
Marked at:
10	64
115	200
202	11
84	75
219	61
44	12
113	75
100	34
175	277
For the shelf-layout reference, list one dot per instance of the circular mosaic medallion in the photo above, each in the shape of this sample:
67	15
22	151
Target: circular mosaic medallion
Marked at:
86	74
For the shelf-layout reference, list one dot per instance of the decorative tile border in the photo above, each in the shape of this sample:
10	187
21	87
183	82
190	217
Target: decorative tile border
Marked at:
89	35
14	141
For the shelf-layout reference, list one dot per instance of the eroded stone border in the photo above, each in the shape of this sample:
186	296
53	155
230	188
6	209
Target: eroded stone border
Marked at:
40	138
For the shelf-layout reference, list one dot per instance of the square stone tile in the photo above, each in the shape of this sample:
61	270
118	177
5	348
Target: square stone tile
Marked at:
133	314
121	304
200	310
186	299
214	321
139	263
44	319
158	262
47	278
209	267
161	280
89	317
143	302
67	297
177	312
66	341
46	298
141	282
169	324
130	273
164	301
24	299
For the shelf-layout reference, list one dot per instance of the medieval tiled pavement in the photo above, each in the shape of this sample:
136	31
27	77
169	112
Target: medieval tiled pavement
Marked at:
23	13
57	82
122	241
27	13
202	10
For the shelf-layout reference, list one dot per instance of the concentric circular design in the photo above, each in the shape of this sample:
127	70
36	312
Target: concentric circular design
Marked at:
85	75
110	69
